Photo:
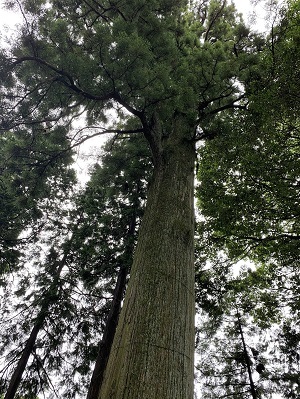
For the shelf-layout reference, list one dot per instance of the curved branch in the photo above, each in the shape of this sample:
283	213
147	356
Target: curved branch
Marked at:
214	19
67	79
104	131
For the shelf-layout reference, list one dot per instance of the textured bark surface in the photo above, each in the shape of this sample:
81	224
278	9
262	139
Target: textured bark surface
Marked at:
152	353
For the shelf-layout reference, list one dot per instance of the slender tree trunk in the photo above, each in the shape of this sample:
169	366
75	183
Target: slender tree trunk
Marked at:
113	316
248	365
17	374
108	336
22	363
153	350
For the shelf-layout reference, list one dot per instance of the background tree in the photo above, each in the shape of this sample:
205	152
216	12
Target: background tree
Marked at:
266	323
34	169
249	196
88	257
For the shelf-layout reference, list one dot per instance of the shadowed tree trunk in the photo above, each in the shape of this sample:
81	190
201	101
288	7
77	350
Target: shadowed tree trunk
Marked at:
153	350
108	336
248	364
112	319
19	370
42	315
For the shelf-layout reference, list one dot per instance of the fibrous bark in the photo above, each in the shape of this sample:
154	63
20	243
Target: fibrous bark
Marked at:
152	353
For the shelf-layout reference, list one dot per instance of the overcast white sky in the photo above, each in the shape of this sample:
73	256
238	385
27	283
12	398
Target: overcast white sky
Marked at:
245	7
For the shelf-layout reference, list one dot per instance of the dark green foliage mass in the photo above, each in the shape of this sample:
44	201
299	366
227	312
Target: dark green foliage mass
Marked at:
67	297
250	175
34	171
74	56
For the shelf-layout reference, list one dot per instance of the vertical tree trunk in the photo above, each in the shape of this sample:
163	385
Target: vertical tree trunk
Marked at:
108	336
113	316
248	365
153	350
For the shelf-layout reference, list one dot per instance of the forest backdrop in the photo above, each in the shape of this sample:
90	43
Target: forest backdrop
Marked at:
186	90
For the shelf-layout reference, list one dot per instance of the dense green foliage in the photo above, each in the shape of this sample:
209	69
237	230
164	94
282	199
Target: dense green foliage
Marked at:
34	171
249	196
74	57
68	289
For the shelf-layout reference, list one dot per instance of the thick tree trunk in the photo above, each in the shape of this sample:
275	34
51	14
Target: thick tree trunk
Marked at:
152	353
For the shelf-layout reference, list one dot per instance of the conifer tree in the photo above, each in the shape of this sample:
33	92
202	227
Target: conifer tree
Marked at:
87	257
34	167
175	67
